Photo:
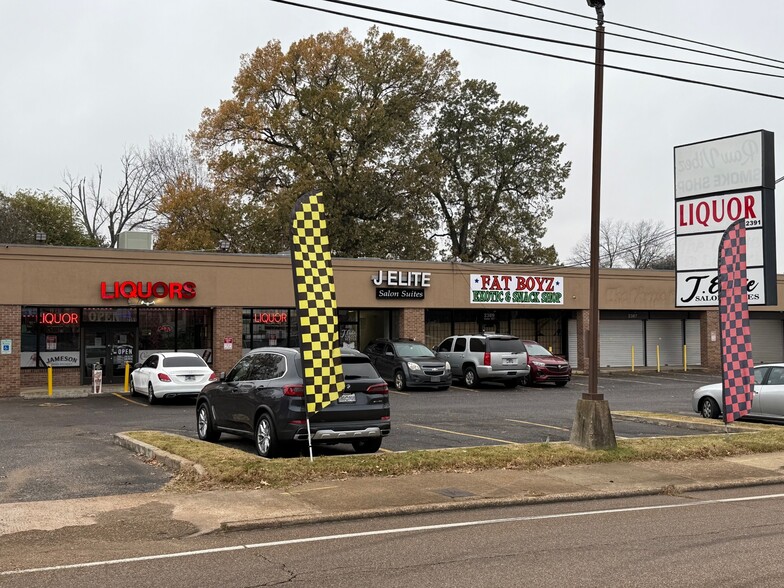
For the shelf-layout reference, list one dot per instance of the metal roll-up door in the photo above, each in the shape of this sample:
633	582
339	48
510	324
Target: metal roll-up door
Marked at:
571	325
616	339
693	343
668	335
767	340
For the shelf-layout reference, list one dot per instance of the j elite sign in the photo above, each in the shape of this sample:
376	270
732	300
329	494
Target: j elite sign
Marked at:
718	182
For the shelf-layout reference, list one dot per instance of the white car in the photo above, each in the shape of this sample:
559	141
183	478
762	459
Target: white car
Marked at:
767	401
170	374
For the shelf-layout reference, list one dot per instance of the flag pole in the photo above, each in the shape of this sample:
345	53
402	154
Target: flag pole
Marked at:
310	446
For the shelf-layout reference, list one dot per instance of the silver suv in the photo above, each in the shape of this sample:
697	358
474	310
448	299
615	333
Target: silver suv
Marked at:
478	358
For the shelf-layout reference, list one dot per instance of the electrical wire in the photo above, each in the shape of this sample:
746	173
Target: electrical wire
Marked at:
529	51
628	37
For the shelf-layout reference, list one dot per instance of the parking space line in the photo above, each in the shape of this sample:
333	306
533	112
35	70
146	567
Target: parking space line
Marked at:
399	392
463	434
128	399
537	425
636	381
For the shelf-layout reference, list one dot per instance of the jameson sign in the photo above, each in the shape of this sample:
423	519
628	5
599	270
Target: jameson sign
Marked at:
507	289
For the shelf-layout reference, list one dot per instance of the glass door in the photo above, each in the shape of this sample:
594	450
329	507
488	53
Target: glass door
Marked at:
108	348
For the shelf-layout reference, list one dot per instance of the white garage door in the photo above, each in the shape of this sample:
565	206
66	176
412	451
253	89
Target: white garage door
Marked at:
693	345
616	339
668	335
572	342
767	341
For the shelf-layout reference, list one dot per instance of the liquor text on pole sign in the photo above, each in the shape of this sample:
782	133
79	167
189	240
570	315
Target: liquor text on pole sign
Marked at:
718	182
508	289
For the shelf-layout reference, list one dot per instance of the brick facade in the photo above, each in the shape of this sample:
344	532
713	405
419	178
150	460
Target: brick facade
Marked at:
11	328
411	323
710	349
227	323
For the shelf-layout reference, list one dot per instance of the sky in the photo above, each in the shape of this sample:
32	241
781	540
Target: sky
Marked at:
84	80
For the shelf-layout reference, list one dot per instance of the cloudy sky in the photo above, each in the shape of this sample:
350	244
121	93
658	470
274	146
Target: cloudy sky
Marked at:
83	80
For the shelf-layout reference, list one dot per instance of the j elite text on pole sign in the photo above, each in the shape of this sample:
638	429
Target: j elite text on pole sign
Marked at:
716	183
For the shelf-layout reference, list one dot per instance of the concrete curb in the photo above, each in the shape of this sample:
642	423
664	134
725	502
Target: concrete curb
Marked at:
168	460
707	427
475	504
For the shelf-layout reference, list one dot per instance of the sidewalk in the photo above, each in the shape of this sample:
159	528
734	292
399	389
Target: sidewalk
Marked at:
373	497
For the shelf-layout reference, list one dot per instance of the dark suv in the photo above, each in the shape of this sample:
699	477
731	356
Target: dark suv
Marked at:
485	357
263	398
408	363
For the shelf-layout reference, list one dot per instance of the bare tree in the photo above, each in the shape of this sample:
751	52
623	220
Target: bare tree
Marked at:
644	244
612	236
145	174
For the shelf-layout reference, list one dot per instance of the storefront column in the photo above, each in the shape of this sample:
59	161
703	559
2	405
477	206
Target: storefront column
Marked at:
227	323
710	340
10	364
411	323
583	320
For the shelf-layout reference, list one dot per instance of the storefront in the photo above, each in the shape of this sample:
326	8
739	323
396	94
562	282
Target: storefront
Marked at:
73	309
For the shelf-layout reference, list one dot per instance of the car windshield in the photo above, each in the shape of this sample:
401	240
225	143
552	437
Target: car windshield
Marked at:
413	350
184	361
505	345
536	349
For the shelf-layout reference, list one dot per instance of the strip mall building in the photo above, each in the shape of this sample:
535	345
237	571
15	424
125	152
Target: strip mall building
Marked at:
75	308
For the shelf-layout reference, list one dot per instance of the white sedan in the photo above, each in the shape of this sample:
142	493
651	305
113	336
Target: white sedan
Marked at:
767	401
170	374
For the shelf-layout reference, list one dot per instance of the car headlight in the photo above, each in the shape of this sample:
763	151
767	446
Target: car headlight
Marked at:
447	367
538	363
414	366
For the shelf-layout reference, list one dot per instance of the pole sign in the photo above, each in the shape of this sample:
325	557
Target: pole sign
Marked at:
718	182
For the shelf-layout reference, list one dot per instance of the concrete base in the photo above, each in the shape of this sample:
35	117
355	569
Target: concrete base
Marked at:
592	427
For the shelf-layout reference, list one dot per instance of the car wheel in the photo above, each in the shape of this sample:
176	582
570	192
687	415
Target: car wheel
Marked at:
204	425
265	439
709	408
470	377
510	383
368	445
400	381
560	384
131	388
525	380
151	396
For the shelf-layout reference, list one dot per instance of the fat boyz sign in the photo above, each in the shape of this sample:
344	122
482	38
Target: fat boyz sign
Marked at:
507	289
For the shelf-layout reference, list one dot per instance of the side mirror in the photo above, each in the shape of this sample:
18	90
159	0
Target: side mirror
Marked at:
389	353
136	366
222	376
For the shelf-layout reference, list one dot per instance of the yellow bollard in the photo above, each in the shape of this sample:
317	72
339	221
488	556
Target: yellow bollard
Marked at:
685	365
127	372
49	378
658	361
632	357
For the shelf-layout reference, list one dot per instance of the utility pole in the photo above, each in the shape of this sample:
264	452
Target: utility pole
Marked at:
592	427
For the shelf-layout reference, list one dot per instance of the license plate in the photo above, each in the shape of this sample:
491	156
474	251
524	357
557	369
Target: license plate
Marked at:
510	361
190	378
435	378
347	398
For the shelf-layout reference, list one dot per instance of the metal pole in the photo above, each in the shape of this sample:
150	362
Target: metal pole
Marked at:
593	324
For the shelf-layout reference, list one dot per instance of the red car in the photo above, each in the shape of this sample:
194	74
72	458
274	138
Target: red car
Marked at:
545	367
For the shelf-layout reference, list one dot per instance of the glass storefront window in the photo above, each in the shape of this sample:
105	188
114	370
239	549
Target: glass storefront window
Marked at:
269	327
50	336
156	330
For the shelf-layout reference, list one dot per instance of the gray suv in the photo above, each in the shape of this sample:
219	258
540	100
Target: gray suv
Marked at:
479	358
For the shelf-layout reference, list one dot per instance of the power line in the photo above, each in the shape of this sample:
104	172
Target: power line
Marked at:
529	51
628	37
534	5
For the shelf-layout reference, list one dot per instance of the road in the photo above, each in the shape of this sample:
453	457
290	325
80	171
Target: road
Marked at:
62	448
727	538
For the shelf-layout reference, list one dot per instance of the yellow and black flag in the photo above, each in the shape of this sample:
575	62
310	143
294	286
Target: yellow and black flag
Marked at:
314	290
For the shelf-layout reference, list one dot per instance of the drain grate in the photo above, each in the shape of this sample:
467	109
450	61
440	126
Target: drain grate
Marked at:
455	492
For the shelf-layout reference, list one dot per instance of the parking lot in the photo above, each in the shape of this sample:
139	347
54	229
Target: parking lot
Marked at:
62	448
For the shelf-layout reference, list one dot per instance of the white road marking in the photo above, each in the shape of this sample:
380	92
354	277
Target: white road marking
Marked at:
462	434
537	424
393	531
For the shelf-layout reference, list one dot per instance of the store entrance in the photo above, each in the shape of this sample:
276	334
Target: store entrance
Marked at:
110	347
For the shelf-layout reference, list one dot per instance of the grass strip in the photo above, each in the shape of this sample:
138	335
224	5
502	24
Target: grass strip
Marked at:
230	468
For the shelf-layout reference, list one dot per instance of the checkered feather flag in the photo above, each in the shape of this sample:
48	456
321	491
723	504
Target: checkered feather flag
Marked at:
314	290
736	362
